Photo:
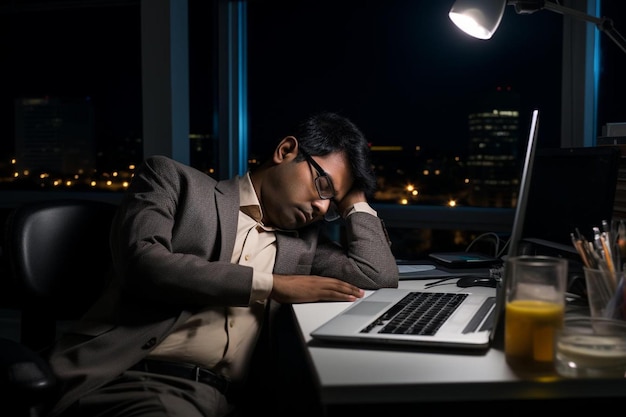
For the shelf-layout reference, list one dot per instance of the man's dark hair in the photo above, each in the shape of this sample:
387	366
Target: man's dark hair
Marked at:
325	133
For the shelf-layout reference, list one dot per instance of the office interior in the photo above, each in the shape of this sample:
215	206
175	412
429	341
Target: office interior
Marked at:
209	83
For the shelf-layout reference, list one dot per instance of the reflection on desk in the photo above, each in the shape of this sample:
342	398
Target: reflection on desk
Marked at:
349	375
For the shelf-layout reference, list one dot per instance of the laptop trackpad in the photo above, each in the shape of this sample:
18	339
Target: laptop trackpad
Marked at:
367	308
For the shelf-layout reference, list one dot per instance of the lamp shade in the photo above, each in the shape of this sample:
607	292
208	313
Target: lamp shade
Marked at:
477	18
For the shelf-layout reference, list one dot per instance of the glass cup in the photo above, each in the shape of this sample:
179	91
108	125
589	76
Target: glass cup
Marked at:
591	347
534	310
601	286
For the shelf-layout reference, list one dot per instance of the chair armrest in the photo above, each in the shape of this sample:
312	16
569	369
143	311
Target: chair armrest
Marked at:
26	378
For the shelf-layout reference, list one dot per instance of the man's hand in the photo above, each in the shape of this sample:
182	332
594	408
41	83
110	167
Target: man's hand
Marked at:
353	196
310	288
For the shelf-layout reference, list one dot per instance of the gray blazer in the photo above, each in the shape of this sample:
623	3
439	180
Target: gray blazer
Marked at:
172	241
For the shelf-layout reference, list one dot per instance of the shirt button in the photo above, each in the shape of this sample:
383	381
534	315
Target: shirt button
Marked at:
231	323
247	258
150	343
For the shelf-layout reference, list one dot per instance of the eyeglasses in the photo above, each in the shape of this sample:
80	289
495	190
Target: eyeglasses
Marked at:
324	187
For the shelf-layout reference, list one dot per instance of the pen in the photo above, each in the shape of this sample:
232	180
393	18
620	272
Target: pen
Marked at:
609	261
578	245
596	239
621	241
597	259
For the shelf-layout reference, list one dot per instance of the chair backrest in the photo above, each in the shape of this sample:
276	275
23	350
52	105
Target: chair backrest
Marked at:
59	258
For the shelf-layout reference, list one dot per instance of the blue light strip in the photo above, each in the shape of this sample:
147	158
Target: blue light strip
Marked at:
596	77
242	75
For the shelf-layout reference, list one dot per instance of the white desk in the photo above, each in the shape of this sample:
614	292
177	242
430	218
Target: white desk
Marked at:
349	375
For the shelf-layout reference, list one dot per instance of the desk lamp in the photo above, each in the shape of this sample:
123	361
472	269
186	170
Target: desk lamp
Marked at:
481	18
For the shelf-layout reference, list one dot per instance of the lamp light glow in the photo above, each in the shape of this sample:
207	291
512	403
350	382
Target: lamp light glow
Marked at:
481	18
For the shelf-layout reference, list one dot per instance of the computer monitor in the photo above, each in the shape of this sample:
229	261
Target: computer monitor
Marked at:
571	189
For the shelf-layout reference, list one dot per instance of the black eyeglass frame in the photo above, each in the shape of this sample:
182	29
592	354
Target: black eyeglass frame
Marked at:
332	214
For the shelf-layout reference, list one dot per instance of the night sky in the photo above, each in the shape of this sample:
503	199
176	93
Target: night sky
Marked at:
400	69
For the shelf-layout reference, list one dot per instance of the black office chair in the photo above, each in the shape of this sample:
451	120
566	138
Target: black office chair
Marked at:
26	380
59	259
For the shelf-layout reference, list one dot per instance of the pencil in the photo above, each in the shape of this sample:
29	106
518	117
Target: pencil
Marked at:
609	262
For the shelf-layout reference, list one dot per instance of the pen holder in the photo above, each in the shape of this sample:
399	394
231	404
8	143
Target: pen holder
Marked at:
605	293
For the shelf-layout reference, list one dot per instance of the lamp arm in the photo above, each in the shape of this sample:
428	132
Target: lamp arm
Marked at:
607	27
603	24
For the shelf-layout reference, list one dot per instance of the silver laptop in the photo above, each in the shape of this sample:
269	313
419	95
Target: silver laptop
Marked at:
460	319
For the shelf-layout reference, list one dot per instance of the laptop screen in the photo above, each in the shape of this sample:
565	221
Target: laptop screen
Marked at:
524	189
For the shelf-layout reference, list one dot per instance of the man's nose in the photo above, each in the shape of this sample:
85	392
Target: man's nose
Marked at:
322	206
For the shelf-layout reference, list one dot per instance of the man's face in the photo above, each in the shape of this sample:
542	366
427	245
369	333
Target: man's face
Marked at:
291	199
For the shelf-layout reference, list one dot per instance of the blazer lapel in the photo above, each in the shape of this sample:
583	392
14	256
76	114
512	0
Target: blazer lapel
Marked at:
287	261
298	242
227	204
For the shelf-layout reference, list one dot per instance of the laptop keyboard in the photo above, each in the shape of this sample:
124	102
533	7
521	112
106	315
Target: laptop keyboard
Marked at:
420	313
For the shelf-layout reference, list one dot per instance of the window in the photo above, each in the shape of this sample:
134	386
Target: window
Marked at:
612	85
447	115
398	68
71	97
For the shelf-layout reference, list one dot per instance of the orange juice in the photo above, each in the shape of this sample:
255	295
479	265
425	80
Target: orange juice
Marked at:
529	333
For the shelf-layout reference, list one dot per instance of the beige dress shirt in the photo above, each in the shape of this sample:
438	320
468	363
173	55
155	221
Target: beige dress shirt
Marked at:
223	338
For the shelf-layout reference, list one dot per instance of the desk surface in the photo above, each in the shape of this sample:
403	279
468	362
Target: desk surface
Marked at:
355	374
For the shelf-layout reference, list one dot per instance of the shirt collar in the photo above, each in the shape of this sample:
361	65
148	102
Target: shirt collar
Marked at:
247	195
248	200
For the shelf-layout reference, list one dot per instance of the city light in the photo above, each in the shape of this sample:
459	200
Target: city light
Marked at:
406	175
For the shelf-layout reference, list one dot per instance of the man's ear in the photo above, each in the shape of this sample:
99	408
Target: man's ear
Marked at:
287	149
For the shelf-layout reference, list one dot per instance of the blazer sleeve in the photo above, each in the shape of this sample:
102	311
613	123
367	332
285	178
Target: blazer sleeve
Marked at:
364	258
171	241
